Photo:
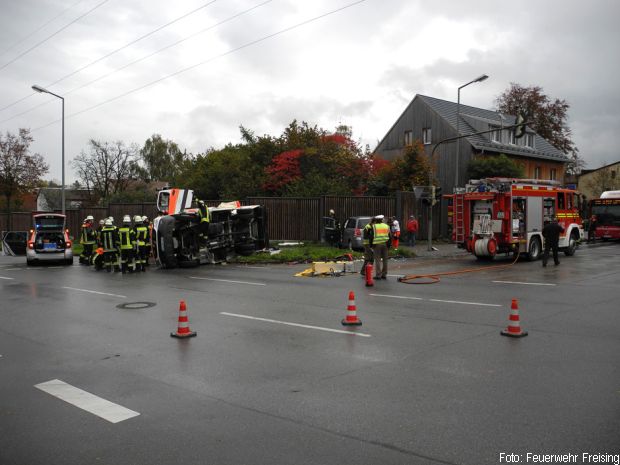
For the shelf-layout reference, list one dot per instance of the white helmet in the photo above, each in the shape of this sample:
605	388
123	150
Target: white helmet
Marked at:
111	218
126	219
108	222
144	218
137	219
101	221
90	218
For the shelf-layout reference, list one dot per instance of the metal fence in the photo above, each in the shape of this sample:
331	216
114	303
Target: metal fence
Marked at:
289	218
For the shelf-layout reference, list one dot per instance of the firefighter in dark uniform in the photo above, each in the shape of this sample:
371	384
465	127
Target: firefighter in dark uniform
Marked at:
109	239
140	238
203	212
88	239
149	237
551	232
126	239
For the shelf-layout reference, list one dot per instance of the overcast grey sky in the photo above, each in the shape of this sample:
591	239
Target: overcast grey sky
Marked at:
359	66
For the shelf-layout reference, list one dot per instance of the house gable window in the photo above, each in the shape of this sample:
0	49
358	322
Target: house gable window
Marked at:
537	172
426	135
408	138
496	135
553	174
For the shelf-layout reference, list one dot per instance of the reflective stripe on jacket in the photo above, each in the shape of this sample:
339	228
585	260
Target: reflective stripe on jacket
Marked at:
381	233
125	237
141	235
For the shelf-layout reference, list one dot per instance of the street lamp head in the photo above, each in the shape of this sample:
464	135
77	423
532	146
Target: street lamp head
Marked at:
481	78
40	89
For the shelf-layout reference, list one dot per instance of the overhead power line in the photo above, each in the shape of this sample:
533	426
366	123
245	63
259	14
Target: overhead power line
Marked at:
52	35
42	26
108	55
202	31
229	52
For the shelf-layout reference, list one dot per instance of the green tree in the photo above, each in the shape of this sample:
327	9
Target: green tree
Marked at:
410	169
548	117
20	171
494	166
162	159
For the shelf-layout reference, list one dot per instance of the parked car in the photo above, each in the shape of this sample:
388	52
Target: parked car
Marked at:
49	240
352	232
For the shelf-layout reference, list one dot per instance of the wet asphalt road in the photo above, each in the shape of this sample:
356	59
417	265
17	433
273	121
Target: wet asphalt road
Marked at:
429	380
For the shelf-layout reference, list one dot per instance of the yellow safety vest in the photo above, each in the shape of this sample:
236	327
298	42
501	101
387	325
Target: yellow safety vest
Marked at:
365	239
381	233
125	237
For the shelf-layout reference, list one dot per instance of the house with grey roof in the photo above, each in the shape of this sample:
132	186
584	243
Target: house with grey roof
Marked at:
432	120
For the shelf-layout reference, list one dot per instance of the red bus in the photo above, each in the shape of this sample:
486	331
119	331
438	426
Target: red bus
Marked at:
606	209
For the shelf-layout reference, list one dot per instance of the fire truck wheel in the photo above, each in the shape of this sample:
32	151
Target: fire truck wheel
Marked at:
572	245
534	250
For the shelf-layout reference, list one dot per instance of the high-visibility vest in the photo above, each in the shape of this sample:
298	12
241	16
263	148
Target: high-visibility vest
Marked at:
381	233
141	234
88	235
125	237
107	238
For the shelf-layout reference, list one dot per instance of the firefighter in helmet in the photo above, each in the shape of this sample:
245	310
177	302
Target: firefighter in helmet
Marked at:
149	236
140	238
109	239
126	239
88	240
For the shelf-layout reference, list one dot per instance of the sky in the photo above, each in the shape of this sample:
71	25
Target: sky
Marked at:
194	71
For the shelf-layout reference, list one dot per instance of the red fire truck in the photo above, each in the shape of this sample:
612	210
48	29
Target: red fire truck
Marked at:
606	210
502	215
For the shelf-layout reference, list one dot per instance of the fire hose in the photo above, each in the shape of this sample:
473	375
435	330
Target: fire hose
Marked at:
433	278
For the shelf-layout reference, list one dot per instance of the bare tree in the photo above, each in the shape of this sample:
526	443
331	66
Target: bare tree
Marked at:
106	168
20	171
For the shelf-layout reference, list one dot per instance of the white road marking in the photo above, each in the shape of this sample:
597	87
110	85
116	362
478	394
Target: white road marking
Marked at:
267	320
105	409
94	292
520	282
229	281
4	277
436	300
465	303
398	296
13	269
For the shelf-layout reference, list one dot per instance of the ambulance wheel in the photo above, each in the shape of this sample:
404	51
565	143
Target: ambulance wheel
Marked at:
572	245
535	249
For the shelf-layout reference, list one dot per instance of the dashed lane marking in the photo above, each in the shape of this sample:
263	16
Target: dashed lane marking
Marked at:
4	277
94	292
287	323
522	282
229	281
96	405
436	300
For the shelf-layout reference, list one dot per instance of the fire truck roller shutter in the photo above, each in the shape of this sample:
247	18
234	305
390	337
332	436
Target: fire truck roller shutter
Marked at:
485	247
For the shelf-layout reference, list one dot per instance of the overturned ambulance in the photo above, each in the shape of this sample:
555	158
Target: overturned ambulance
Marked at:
187	233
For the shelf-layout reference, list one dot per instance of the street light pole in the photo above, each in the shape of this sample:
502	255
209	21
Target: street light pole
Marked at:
458	123
62	188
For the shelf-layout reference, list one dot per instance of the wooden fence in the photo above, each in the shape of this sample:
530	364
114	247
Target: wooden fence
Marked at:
297	219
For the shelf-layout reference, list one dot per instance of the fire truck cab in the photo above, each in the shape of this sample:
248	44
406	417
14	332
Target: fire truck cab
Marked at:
503	215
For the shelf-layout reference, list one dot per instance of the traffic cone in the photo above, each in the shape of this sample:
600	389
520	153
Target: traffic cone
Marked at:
369	278
351	319
514	326
183	329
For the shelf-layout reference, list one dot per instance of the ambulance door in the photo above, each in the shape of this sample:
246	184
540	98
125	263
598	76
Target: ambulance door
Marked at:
534	217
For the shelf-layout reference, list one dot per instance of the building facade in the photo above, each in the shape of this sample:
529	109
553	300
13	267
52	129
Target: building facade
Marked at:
432	120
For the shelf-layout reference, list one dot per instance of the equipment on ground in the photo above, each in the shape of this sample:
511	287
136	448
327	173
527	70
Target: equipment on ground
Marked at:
503	215
187	235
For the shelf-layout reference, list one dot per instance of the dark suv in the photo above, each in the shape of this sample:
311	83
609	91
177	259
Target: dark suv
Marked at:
352	232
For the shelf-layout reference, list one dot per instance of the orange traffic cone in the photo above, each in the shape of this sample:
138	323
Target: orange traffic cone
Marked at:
514	326
351	319
183	329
